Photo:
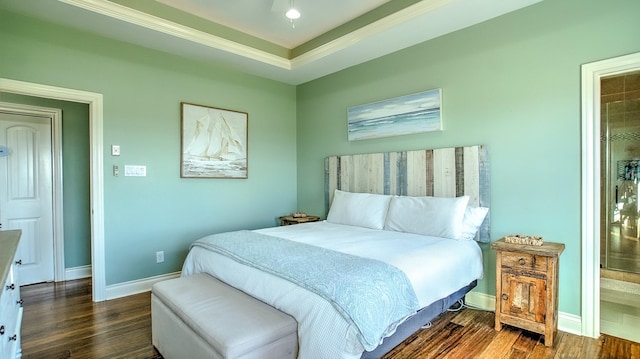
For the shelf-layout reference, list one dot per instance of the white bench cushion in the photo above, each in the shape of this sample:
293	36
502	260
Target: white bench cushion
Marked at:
232	322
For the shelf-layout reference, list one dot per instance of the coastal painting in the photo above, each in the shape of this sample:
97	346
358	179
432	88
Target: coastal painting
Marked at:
214	142
419	112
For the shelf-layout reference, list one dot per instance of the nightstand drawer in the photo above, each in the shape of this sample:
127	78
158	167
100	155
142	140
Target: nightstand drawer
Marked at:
524	261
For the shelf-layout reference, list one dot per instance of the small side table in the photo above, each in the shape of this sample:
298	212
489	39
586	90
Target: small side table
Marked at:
289	220
527	287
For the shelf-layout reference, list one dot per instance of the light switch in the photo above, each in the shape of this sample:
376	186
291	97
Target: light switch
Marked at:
135	171
116	171
115	150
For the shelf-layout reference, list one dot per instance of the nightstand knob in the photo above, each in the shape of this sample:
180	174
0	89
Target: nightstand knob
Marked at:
505	296
522	261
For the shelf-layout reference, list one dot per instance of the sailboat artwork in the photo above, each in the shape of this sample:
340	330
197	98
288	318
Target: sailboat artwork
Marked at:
214	142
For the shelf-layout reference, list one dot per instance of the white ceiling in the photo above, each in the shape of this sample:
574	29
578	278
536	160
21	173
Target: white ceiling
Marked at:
419	22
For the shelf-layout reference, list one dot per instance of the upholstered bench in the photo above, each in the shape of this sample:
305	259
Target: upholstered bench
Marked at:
201	317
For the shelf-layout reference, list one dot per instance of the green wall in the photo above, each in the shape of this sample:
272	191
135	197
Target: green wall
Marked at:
513	84
142	91
75	167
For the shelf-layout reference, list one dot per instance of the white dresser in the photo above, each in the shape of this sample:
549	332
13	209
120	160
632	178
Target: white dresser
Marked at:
10	302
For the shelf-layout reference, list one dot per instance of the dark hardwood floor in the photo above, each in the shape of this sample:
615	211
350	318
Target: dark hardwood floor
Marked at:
60	321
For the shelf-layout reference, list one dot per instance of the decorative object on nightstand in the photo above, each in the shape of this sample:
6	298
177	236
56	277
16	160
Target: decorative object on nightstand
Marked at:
527	285
523	239
296	218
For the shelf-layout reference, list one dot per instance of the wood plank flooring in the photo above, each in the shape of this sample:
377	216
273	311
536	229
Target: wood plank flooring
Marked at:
60	321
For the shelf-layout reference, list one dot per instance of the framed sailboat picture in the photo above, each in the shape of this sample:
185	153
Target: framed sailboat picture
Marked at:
214	142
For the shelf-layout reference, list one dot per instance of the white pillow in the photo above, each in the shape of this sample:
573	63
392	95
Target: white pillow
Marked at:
429	216
359	209
473	218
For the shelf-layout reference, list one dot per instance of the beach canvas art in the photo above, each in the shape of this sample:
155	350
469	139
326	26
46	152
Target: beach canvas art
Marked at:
419	112
214	142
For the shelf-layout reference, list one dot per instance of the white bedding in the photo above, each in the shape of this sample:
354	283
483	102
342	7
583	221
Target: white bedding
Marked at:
435	266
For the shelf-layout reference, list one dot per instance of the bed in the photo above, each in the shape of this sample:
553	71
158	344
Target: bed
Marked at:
375	270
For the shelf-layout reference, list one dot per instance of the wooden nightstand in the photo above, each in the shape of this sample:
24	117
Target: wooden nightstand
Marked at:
527	287
288	220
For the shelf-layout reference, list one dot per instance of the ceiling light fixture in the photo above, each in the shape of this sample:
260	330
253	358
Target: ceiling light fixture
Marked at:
292	14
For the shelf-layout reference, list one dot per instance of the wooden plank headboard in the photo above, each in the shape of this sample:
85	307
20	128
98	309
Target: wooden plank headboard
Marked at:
443	172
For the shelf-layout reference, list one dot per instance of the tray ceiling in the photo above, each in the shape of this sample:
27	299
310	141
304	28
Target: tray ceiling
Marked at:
255	37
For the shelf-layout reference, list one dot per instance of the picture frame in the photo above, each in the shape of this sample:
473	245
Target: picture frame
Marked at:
628	170
414	113
213	142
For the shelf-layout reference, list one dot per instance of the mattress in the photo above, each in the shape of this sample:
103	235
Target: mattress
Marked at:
436	267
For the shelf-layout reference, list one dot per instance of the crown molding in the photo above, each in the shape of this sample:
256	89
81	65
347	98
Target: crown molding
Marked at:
419	21
409	13
155	23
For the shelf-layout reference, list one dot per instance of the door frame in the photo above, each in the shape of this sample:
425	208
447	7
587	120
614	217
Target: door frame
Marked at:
55	117
95	102
590	214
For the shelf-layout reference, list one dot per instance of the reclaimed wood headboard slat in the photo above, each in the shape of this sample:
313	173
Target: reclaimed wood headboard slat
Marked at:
442	172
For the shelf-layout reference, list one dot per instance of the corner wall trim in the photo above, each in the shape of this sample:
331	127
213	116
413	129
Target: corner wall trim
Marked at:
136	286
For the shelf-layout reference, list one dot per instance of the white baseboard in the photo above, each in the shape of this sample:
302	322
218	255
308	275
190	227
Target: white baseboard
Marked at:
77	272
136	286
568	323
481	300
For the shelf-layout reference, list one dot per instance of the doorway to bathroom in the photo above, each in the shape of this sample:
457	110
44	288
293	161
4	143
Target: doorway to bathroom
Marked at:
620	205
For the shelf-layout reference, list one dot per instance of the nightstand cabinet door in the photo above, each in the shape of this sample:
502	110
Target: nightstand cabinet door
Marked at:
524	297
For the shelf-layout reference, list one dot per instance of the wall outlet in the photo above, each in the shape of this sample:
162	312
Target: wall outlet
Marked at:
160	257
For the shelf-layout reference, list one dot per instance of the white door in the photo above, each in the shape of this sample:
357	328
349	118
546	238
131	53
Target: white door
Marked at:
26	197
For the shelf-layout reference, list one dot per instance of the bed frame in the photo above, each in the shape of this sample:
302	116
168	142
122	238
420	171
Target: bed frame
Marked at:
443	172
417	321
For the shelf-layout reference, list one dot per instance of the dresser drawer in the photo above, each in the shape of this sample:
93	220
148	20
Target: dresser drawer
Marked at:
524	261
9	310
10	305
